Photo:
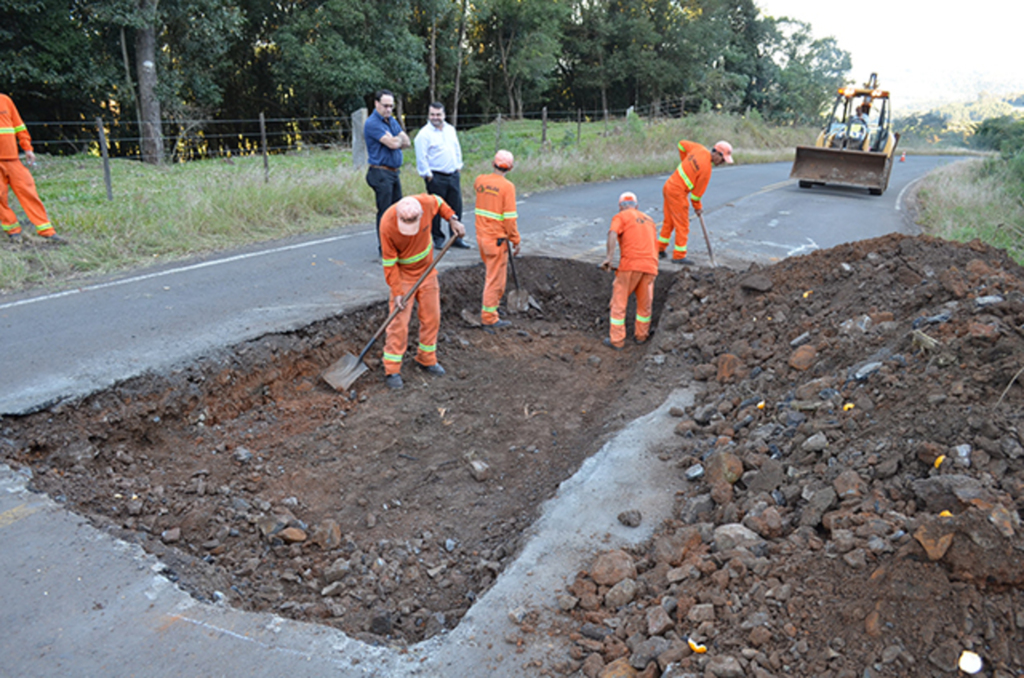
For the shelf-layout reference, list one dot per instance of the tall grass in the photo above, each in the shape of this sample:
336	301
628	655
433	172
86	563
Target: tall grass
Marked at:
981	198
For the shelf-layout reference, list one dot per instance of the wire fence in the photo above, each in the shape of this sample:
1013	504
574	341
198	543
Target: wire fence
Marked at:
191	140
187	140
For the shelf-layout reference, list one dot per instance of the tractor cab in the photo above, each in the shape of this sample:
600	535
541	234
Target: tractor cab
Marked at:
856	145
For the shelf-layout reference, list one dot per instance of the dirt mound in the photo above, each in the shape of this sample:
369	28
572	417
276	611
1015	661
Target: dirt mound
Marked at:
850	479
384	514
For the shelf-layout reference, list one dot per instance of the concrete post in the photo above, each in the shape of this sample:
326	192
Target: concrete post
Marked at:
359	158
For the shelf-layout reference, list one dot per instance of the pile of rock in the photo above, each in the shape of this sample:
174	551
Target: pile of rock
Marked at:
851	476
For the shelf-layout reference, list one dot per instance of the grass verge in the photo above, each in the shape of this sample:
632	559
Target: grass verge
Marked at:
979	198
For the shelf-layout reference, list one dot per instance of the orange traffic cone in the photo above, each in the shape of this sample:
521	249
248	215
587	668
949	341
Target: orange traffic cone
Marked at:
903	157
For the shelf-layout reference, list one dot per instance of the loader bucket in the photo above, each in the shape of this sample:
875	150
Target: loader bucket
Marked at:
858	169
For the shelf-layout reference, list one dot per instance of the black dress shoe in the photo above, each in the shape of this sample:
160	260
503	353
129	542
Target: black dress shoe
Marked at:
461	244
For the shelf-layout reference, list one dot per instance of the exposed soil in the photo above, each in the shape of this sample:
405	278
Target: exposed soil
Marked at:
382	513
849	398
809	537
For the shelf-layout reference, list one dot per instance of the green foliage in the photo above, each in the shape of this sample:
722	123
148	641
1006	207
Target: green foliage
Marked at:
231	59
635	126
1004	134
962	124
45	65
977	199
517	43
335	52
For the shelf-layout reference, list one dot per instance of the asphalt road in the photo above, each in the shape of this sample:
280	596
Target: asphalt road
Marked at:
71	343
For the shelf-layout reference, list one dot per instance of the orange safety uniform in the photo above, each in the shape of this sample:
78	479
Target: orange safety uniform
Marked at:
495	224
638	267
687	184
405	258
15	175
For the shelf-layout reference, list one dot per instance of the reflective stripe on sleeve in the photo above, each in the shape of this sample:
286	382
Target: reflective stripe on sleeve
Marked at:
490	215
417	257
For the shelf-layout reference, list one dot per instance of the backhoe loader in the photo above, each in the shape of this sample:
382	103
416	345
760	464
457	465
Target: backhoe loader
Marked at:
857	145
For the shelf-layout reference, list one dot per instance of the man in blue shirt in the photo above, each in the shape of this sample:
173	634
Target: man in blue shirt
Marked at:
385	140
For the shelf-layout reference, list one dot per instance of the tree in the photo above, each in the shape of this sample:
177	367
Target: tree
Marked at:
329	55
177	45
51	64
519	42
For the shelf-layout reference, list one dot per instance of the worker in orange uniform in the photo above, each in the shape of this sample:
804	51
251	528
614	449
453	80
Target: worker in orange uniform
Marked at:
407	249
687	184
12	173
496	234
637	237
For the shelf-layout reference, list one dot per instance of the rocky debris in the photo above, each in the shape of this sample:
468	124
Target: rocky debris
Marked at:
854	473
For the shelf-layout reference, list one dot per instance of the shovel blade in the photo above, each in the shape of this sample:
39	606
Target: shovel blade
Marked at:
519	301
344	372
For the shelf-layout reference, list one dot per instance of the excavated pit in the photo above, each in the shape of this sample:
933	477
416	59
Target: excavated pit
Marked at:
252	480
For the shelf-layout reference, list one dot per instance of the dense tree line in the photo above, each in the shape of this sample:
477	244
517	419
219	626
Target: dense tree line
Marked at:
144	63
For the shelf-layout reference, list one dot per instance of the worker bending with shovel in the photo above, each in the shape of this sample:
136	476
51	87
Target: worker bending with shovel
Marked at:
687	185
497	234
637	237
407	249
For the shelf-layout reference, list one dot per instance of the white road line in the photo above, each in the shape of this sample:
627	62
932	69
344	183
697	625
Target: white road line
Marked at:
790	249
899	198
180	269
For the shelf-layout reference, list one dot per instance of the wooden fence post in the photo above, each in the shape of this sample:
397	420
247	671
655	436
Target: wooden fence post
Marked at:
263	145
579	125
543	125
497	140
106	158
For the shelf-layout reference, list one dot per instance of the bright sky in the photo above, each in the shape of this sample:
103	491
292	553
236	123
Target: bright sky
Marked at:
923	52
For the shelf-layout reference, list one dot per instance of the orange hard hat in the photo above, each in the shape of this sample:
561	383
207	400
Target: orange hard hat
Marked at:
409	211
504	160
725	148
627	197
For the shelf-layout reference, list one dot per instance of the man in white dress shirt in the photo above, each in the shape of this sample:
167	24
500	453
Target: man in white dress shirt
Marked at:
438	161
